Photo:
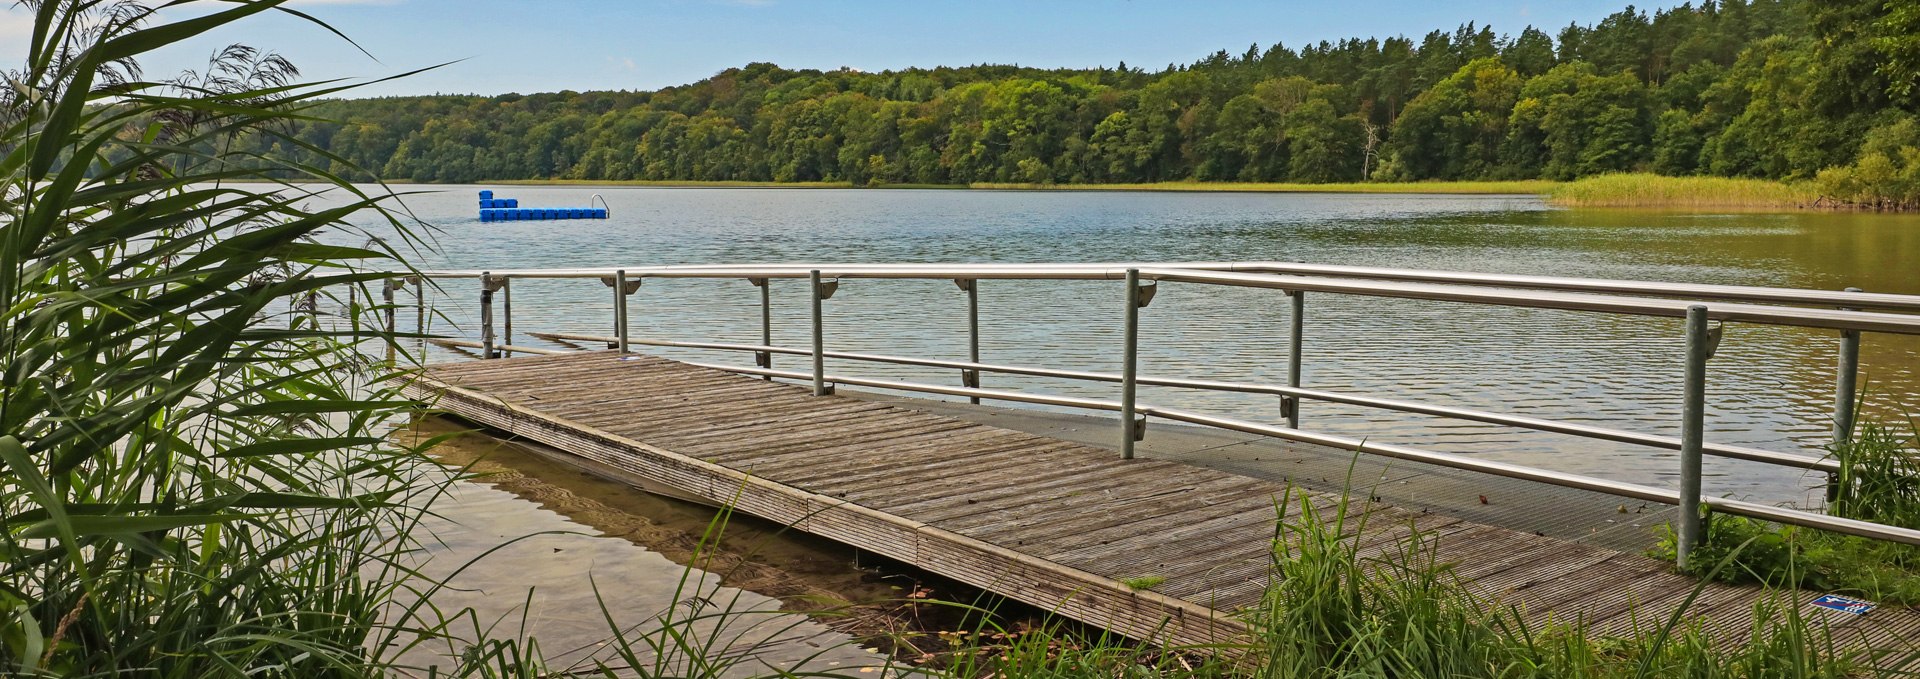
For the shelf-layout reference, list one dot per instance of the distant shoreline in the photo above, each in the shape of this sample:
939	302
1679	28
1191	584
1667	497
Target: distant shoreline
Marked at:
1629	190
1526	187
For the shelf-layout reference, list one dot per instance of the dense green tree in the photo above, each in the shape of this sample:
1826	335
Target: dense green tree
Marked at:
1764	88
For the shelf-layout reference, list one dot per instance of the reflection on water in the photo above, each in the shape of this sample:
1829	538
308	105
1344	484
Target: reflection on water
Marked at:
533	559
1770	387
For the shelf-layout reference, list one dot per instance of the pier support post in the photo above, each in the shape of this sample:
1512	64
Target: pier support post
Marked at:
1846	386
971	378
764	359
819	291
1290	405
1130	430
486	315
1702	341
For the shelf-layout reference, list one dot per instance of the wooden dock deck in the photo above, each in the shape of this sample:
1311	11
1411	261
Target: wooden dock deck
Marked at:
1054	524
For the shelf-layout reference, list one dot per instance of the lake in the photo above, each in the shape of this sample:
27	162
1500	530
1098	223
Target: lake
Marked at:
1768	387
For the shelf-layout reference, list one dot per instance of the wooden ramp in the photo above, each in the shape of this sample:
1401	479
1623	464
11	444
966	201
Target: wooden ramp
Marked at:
1054	524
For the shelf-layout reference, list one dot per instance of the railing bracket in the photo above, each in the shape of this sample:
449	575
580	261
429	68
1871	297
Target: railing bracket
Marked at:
827	287
1139	428
493	283
758	282
965	284
1146	293
633	284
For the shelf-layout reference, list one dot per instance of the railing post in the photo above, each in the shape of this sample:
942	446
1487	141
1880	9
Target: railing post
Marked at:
1129	365
1290	405
486	314
764	359
1701	341
620	307
387	315
506	307
971	378
819	291
1846	385
420	315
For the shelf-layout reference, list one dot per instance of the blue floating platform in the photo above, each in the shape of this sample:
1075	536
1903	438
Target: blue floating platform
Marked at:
509	210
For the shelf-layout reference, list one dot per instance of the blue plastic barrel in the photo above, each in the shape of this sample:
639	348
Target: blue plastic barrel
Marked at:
513	202
484	195
486	215
600	213
576	213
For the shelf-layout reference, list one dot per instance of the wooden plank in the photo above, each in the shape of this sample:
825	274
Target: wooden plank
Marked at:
901	445
1002	454
906	461
1200	501
775	449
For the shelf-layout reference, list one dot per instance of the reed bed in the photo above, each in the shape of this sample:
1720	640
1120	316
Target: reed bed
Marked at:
1519	187
1643	190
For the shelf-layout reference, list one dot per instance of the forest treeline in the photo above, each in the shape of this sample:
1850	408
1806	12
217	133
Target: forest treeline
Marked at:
1779	89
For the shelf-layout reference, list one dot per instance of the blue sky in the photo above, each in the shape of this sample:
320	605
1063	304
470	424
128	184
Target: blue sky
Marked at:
548	45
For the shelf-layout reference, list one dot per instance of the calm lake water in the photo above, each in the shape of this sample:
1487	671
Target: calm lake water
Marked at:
1769	387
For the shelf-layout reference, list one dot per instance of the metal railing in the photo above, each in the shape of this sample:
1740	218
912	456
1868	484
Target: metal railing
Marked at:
1836	310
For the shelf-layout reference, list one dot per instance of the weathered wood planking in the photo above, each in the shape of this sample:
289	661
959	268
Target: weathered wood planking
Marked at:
1054	524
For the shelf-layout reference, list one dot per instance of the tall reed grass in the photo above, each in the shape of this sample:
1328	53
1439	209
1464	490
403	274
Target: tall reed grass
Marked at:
195	484
1646	190
1525	186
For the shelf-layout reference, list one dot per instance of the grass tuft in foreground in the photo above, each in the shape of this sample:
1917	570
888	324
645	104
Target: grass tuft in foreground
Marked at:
1880	482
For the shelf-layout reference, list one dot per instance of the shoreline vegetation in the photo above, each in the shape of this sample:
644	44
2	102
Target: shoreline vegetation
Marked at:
1622	190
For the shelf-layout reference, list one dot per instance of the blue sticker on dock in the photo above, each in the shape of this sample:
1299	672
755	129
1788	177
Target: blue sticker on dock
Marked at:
1843	604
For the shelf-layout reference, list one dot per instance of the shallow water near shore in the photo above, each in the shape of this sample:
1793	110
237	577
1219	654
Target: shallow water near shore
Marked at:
1768	387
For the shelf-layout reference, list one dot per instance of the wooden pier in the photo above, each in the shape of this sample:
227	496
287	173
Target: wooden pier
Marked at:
1058	525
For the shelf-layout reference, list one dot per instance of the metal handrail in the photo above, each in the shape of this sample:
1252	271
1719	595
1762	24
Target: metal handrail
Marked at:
1850	298
1580	295
1518	421
1569	480
1835	319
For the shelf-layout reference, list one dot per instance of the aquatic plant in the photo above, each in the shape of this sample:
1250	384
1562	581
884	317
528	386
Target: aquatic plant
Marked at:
195	482
1645	190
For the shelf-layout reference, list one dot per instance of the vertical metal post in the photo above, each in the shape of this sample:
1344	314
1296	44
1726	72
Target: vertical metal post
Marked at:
1846	385
819	342
1130	364
486	314
420	315
506	307
386	300
1298	323
971	378
620	307
1693	407
764	359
